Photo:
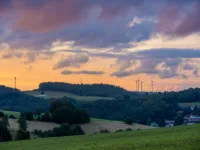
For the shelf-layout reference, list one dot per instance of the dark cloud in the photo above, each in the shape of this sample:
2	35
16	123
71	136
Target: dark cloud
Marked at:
196	73
86	72
165	63
94	23
188	66
72	61
180	20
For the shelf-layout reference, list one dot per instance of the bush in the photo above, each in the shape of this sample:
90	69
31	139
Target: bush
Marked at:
129	129
46	117
77	130
28	115
120	130
64	114
128	121
64	130
1	114
104	131
4	132
12	117
22	135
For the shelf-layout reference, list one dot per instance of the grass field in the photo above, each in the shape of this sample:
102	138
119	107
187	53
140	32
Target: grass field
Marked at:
176	138
8	113
190	104
54	94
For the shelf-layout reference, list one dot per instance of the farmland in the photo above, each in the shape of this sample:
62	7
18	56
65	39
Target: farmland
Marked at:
8	113
176	138
55	94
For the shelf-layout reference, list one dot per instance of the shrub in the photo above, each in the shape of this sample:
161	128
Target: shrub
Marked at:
104	131
77	130
46	117
12	117
129	129
120	130
64	130
64	114
1	114
128	121
28	115
22	135
4	132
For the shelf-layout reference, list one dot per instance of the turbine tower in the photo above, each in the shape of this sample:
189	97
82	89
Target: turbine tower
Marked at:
15	83
152	84
141	86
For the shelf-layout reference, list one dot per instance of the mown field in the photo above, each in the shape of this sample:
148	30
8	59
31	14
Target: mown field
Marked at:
54	94
8	113
176	138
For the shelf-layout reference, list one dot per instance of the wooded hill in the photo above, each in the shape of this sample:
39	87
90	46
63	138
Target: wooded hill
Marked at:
15	100
103	90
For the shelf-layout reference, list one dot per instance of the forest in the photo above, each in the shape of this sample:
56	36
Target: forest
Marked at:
103	90
15	100
140	108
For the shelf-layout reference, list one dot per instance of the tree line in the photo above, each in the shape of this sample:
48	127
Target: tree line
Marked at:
104	90
61	111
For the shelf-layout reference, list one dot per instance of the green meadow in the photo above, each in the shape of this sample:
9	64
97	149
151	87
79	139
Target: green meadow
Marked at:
175	138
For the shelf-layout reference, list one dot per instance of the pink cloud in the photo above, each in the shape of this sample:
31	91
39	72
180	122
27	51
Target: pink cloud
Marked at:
177	21
53	15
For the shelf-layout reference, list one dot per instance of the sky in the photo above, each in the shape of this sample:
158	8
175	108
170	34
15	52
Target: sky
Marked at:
101	41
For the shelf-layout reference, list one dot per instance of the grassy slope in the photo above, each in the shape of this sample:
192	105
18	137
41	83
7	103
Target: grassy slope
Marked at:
54	94
176	138
8	113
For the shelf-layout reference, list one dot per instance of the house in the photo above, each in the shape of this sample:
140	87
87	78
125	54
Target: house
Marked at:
191	119
169	123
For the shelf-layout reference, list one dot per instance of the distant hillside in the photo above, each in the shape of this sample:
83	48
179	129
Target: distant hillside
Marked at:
15	100
185	96
57	94
103	90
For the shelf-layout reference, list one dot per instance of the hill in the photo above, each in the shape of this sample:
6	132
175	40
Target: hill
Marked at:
176	138
102	90
15	100
57	94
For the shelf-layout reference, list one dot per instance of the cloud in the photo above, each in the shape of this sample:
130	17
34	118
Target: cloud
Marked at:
10	55
188	66
196	73
41	17
180	20
85	72
72	61
165	63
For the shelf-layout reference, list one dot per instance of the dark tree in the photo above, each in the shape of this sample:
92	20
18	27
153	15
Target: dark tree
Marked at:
179	120
77	130
64	114
46	117
4	131
128	121
22	133
1	114
28	115
22	123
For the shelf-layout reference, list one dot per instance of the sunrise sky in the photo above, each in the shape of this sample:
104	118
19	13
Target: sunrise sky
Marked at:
100	41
